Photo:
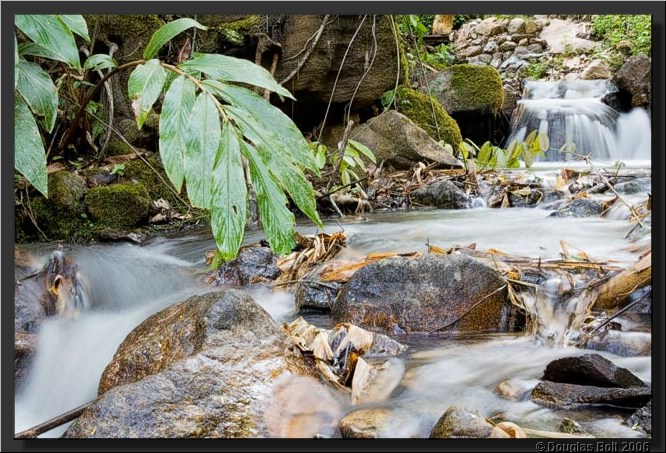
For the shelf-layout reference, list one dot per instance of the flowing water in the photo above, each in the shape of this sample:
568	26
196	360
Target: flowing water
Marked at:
572	111
127	283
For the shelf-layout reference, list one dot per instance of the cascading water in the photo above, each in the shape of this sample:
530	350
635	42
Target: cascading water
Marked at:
572	111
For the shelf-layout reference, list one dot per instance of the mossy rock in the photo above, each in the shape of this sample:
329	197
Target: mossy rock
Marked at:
66	190
468	88
227	29
157	187
418	107
118	205
56	224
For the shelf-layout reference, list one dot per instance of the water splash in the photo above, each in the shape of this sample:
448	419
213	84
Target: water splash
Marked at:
572	111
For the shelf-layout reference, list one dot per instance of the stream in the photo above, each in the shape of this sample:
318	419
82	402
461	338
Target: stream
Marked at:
127	283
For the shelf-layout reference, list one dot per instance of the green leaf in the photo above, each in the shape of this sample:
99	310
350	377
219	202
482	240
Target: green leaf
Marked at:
568	147
367	152
144	87
77	24
35	50
499	158
174	127
16	62
38	90
514	149
529	140
166	33
528	158
203	141
485	152
229	195
230	69
267	121
30	159
541	144
52	34
276	218
99	61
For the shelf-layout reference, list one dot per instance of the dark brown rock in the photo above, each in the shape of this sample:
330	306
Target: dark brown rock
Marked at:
642	419
590	369
316	295
635	78
452	293
254	264
443	194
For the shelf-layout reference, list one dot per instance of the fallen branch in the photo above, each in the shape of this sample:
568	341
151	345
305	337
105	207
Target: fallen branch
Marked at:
52	423
616	291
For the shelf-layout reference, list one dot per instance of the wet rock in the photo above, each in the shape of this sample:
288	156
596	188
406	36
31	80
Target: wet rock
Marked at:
204	367
316	296
639	185
399	142
642	419
635	78
461	423
254	264
118	205
590	369
514	390
570	426
514	431
300	407
66	190
101	177
374	379
582	207
517	25
365	423
596	70
556	394
122	236
641	300
443	194
425	294
25	345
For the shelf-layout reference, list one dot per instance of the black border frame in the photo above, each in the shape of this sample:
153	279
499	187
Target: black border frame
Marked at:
9	8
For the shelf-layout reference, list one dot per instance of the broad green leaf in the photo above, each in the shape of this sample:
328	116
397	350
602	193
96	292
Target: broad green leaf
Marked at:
38	90
541	144
514	150
513	163
174	127
35	50
367	152
485	152
499	158
276	218
529	140
467	150
230	69
16	61
568	147
144	87
345	178
229	195
203	141
166	33
77	24
99	61
52	34
30	159
269	121
350	160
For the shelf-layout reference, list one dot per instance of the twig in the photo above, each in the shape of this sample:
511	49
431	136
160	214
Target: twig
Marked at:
608	320
321	197
52	423
365	73
307	54
341	152
337	76
67	138
307	282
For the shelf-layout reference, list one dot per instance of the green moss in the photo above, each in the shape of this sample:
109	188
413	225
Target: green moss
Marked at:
157	188
418	107
470	88
118	205
58	225
66	190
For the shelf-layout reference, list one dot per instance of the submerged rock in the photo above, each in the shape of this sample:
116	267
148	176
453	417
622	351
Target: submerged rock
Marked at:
452	293
366	423
461	423
400	142
638	185
315	295
443	194
582	207
625	344
254	264
201	368
590	369
571	395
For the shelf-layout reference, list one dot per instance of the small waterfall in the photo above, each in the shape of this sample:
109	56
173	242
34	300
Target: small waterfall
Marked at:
571	111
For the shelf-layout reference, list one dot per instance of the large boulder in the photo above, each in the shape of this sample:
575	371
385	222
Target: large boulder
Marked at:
66	190
556	394
443	194
324	73
118	205
369	423
201	368
452	293
460	423
590	369
634	78
399	142
472	95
